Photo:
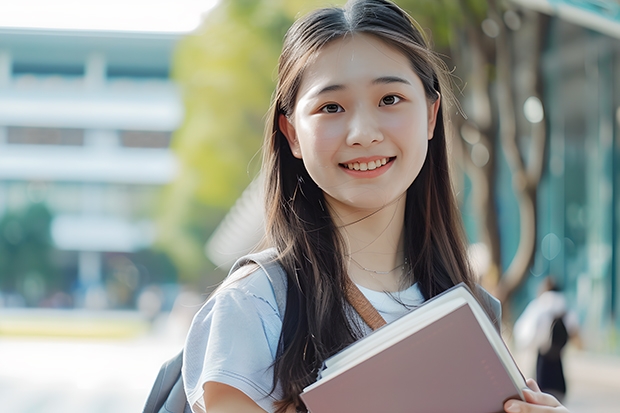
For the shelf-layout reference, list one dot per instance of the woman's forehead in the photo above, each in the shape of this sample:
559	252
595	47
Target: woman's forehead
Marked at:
353	59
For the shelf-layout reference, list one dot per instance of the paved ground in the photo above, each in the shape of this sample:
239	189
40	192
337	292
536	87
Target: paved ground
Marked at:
593	380
114	376
89	375
593	383
50	376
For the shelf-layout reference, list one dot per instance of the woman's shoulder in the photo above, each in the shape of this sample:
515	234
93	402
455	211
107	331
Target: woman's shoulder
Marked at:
234	337
255	281
247	283
244	305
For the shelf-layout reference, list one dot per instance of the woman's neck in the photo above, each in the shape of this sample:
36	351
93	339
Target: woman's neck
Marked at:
375	243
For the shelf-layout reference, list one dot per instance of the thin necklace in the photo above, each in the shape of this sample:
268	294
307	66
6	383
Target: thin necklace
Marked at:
402	266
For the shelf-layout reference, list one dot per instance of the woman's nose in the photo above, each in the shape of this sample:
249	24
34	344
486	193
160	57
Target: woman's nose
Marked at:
363	129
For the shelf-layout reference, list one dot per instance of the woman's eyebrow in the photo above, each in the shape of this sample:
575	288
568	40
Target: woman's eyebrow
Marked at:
390	79
330	88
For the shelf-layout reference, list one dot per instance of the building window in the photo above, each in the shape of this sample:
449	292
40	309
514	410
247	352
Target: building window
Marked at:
145	139
133	72
44	136
50	69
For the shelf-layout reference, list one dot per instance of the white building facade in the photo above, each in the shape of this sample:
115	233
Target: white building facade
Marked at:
85	126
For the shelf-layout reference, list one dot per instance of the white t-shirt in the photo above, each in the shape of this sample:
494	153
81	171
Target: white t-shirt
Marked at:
234	337
395	304
533	328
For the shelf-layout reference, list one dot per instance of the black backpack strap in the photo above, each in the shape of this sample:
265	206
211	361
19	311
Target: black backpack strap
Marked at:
268	262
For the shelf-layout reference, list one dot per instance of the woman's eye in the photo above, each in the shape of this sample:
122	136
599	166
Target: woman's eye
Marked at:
332	108
390	100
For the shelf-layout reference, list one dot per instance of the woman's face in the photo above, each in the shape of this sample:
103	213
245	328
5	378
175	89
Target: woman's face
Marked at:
361	123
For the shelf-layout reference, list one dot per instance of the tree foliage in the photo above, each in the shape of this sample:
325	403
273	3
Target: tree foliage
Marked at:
26	265
445	19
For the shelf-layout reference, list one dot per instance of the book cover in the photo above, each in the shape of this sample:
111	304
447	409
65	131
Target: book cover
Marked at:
443	357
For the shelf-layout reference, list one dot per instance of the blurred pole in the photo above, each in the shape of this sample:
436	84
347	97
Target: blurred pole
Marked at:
3	192
6	68
6	73
95	71
90	287
101	139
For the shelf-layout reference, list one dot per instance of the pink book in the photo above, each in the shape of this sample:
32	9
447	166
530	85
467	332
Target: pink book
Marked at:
443	357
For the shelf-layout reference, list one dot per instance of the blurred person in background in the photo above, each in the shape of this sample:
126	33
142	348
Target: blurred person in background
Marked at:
545	327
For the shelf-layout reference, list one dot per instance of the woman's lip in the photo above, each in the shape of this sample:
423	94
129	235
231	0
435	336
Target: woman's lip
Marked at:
366	160
369	173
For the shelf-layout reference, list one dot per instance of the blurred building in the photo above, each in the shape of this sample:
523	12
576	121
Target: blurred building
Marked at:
579	196
85	126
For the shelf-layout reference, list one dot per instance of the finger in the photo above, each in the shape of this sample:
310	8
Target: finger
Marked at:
517	406
531	383
540	398
514	406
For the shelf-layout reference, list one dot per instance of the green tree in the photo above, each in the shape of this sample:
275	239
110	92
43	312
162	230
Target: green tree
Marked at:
26	265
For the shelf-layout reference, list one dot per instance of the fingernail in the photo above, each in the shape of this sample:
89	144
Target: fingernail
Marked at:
513	407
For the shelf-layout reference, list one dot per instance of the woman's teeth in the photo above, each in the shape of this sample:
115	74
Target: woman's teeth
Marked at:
370	166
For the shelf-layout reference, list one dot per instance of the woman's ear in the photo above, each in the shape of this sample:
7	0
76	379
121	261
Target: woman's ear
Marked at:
287	128
433	109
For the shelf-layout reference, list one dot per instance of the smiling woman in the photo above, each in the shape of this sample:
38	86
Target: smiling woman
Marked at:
360	214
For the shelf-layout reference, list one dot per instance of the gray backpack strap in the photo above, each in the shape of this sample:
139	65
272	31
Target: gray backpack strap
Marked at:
268	262
167	394
494	304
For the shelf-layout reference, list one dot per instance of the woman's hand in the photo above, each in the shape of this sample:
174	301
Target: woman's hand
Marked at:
535	401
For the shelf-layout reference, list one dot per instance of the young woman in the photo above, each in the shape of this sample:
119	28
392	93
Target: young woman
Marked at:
358	198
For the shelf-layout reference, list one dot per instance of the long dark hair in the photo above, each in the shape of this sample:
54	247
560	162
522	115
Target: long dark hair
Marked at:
316	323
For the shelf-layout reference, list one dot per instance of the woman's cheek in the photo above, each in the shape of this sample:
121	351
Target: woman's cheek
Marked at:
326	135
402	124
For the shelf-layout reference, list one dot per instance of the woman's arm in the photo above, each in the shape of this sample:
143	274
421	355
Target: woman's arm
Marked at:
535	402
222	398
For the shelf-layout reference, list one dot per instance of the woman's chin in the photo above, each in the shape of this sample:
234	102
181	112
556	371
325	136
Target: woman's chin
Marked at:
361	204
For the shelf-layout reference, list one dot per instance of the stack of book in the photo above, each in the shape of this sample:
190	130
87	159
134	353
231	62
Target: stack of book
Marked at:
443	357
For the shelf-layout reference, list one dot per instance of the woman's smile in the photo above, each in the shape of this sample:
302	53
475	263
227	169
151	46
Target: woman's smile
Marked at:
367	168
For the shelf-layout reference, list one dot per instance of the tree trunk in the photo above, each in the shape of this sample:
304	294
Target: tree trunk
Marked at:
525	176
478	134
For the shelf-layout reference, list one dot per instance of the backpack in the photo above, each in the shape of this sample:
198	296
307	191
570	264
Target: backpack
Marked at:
558	337
168	394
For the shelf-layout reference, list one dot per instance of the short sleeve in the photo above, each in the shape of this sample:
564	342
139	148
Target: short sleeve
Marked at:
233	340
572	323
